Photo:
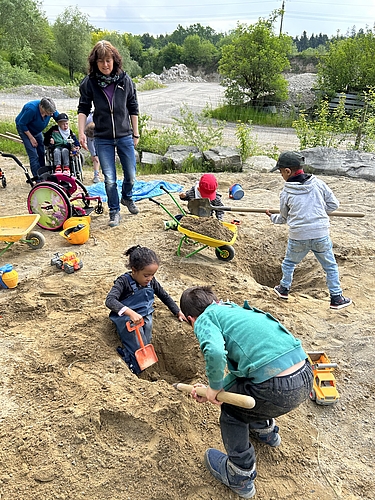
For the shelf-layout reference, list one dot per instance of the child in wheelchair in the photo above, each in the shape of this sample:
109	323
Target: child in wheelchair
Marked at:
61	143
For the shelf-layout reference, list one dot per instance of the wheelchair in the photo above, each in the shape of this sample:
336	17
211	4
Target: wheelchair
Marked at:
56	197
76	161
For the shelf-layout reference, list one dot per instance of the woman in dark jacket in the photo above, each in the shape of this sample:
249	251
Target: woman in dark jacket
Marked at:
113	95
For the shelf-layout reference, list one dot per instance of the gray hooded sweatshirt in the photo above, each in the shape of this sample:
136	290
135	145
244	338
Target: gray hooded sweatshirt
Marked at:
305	206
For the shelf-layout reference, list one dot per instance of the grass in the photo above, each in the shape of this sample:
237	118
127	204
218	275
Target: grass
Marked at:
255	116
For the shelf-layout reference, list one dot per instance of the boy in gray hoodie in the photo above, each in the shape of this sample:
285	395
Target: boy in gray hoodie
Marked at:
305	205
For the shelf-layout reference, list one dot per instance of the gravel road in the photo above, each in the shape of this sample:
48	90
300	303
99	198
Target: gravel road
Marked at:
160	104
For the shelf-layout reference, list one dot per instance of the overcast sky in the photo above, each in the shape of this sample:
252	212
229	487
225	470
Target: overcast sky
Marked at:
160	17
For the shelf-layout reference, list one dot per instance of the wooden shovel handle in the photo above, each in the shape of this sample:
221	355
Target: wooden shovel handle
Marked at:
336	213
225	397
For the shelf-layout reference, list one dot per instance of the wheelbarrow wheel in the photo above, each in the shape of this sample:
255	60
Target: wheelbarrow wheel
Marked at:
35	240
226	252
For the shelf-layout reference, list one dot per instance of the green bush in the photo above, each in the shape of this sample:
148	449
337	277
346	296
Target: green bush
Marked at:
327	128
199	129
149	84
13	76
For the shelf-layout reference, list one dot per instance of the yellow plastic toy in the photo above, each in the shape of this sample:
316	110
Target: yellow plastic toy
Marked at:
8	277
324	391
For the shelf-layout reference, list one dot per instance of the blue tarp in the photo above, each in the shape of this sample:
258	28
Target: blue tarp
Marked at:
141	189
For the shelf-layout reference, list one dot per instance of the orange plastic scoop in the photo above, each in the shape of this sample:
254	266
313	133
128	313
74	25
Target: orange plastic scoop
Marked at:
146	355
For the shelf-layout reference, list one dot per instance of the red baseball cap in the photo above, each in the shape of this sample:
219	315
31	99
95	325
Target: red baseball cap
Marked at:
208	186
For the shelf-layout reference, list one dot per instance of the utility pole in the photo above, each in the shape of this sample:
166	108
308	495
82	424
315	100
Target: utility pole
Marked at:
282	17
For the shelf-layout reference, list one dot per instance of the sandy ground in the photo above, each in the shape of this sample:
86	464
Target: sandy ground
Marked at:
77	424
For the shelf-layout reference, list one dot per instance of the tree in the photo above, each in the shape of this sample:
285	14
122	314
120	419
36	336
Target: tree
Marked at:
251	65
25	34
198	52
170	55
348	65
73	40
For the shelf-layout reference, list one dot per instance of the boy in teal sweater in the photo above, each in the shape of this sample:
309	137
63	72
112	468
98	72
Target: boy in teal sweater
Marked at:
264	361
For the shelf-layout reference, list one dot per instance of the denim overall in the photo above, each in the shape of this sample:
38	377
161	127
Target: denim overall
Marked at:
141	301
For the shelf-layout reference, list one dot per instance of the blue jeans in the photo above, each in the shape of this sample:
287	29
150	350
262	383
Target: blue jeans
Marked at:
322	249
274	397
106	151
36	155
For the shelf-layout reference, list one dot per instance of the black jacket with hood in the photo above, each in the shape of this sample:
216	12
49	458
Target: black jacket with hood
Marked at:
112	119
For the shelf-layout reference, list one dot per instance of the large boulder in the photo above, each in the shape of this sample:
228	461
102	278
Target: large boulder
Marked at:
176	156
223	159
332	161
259	164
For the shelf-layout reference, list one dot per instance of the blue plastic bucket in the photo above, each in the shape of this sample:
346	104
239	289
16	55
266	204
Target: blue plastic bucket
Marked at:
236	192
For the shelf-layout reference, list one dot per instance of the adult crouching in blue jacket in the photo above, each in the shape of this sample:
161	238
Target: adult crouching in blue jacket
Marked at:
113	95
33	118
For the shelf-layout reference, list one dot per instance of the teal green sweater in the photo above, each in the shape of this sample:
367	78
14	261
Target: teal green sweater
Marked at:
251	343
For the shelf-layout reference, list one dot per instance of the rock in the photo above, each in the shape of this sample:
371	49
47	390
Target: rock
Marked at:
259	163
330	161
176	156
151	158
224	159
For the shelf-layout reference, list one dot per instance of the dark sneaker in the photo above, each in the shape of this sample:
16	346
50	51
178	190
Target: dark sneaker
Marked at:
270	435
282	292
339	301
240	481
130	205
114	219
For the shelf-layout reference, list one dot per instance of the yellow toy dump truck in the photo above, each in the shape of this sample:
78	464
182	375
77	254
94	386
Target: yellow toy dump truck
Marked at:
324	391
68	262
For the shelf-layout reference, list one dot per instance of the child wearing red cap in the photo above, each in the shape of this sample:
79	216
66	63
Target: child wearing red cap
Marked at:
206	188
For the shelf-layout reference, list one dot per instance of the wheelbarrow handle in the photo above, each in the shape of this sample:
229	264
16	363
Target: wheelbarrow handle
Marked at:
165	210
163	188
154	201
222	396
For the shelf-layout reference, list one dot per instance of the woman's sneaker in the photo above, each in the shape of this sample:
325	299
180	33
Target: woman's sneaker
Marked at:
114	219
130	205
339	301
282	292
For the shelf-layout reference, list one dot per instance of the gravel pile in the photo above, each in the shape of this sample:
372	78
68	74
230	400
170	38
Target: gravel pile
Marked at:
176	73
301	90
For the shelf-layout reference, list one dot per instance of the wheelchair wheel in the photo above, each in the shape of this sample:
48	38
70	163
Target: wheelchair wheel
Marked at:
76	166
48	156
51	203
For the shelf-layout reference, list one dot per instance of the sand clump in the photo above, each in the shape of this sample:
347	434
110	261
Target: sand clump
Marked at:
207	226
